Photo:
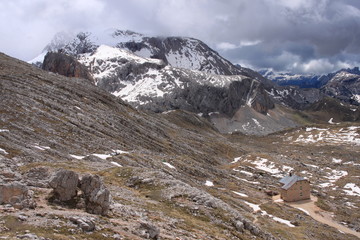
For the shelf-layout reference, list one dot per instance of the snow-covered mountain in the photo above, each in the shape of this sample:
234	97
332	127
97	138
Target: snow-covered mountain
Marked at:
344	86
151	84
162	74
180	52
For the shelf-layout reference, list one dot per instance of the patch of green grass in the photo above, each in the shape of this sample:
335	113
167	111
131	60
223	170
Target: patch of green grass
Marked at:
16	227
78	167
116	175
302	118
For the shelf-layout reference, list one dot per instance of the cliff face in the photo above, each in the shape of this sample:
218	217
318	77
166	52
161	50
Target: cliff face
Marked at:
65	65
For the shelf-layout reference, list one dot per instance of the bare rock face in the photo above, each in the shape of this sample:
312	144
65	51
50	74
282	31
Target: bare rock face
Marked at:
29	236
37	177
8	175
97	196
86	224
64	184
16	194
65	65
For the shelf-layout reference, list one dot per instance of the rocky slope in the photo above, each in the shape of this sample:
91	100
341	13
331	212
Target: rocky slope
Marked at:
52	121
170	175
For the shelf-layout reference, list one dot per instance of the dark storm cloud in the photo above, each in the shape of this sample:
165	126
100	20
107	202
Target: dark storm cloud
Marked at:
297	35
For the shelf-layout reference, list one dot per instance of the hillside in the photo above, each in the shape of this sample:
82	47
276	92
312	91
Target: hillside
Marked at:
171	175
49	121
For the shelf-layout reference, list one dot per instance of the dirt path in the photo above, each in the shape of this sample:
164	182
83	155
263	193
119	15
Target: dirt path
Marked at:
309	207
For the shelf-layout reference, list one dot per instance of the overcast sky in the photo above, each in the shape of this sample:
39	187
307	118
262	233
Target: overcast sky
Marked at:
304	36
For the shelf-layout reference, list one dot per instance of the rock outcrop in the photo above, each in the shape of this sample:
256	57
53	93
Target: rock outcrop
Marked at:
64	184
148	231
97	196
85	223
65	65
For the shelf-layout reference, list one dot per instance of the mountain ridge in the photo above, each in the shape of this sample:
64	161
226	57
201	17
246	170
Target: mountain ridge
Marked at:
153	84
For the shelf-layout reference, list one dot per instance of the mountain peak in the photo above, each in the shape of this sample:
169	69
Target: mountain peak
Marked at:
60	40
127	33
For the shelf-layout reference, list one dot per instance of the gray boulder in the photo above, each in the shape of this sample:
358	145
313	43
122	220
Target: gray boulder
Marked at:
97	196
64	184
239	225
148	231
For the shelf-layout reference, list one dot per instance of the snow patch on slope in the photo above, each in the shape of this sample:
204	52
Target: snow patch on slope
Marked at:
169	165
347	135
354	189
38	59
256	208
148	85
209	183
3	151
240	194
270	167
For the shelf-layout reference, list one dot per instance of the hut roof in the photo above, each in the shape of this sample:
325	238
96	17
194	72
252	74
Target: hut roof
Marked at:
288	181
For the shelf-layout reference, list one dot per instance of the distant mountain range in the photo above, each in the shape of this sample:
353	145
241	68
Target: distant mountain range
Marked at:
343	84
